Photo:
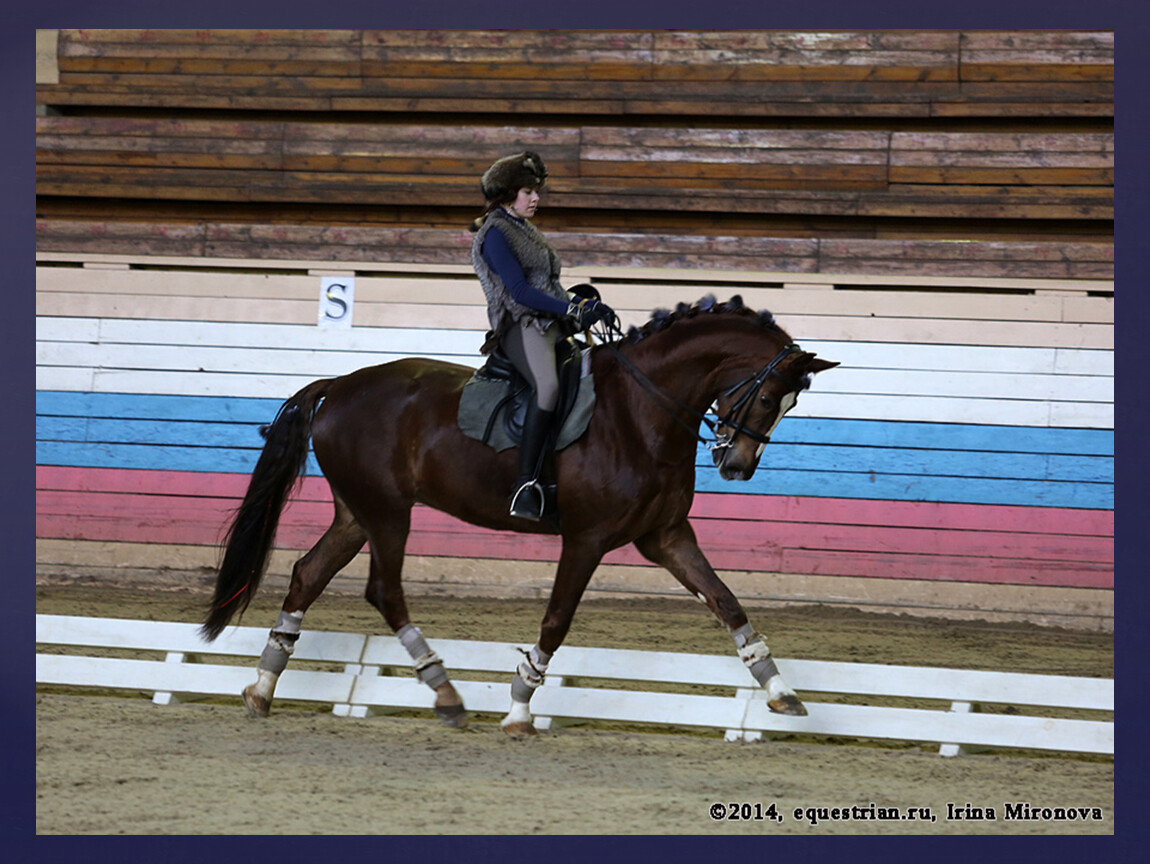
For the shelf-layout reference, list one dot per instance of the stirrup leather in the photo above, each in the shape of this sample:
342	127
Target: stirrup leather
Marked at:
521	504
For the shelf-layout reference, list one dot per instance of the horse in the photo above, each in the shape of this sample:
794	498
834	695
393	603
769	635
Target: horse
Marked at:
387	437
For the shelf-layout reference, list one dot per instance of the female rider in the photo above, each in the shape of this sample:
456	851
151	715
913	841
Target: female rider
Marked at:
519	272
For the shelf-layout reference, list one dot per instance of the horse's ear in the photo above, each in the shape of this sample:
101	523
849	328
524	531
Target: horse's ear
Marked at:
807	363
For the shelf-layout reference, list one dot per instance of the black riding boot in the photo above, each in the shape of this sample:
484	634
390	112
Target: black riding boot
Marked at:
527	499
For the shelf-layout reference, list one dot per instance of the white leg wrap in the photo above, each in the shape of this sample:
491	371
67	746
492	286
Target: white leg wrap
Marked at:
753	651
428	665
519	713
265	685
755	654
777	687
281	642
529	675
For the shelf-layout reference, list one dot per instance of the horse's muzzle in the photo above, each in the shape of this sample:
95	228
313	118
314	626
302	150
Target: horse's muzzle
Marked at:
736	464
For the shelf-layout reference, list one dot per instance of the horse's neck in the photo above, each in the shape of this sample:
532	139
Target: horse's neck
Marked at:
693	369
686	378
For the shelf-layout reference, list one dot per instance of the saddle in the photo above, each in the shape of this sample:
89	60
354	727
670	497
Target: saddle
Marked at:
494	402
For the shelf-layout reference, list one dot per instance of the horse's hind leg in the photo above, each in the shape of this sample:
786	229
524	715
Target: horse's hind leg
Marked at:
310	575
385	593
677	550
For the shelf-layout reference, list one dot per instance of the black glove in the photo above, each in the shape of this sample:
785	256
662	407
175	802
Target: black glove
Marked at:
589	313
598	311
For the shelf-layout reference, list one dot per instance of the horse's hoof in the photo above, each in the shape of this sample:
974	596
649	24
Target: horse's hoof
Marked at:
449	706
257	705
520	730
788	703
454	716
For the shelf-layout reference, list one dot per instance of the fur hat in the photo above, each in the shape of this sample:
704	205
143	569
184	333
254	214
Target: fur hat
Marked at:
503	180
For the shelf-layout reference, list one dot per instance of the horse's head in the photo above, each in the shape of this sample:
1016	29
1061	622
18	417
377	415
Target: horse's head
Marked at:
751	408
755	368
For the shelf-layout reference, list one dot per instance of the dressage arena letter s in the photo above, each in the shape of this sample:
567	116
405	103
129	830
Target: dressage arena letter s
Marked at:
336	301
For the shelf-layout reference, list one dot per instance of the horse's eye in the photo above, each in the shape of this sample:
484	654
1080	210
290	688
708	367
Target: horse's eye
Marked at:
767	402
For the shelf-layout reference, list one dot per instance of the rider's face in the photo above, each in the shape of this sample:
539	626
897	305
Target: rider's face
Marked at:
525	203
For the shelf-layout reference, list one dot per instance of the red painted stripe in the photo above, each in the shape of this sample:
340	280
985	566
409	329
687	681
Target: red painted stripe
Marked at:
784	534
911	514
189	483
126	524
761	540
772	508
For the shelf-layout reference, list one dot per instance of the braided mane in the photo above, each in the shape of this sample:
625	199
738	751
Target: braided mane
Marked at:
661	319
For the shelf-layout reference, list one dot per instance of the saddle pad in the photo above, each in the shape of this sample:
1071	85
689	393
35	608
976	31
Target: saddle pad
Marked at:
482	395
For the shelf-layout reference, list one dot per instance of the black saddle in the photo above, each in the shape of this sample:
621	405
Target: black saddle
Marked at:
513	408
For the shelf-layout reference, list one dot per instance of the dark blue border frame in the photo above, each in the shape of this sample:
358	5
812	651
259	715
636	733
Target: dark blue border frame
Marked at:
17	678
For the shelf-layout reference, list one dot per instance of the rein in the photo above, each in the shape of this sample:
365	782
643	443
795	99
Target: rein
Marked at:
753	382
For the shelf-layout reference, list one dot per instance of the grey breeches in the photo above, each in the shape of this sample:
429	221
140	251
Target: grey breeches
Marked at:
533	354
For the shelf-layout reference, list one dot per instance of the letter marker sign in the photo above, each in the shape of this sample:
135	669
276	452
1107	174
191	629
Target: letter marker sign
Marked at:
336	301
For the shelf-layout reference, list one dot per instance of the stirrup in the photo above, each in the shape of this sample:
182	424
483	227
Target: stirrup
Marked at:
522	504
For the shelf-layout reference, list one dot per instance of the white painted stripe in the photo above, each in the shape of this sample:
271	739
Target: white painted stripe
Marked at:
317	364
991	385
861	355
971	358
865	328
881	381
66	378
244	335
998	412
280	361
411	340
991	412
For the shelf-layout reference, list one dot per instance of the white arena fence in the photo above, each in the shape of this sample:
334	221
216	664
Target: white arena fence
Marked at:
372	674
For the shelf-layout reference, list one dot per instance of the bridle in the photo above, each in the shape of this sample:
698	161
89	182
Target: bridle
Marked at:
736	415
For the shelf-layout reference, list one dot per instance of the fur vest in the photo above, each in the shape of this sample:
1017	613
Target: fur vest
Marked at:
537	257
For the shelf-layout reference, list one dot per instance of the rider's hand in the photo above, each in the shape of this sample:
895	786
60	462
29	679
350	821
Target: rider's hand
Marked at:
597	311
587	313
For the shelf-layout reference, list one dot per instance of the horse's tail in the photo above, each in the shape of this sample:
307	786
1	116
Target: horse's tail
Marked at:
249	539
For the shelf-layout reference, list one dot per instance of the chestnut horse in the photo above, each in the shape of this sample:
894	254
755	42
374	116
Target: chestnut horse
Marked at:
387	437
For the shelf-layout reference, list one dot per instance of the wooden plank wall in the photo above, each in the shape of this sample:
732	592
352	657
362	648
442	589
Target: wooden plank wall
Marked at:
810	172
932	209
355	246
963	441
596	73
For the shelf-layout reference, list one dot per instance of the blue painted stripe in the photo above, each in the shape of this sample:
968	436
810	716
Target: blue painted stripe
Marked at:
833	458
183	433
153	457
905	487
933	463
793	430
235	409
775	481
946	436
840	458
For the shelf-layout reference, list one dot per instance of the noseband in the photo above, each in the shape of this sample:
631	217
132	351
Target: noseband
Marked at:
736	414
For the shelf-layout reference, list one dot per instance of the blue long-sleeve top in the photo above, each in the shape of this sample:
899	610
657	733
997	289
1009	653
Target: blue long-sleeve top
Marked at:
497	253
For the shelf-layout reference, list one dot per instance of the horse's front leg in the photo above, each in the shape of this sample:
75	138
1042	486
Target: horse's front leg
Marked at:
576	564
677	550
